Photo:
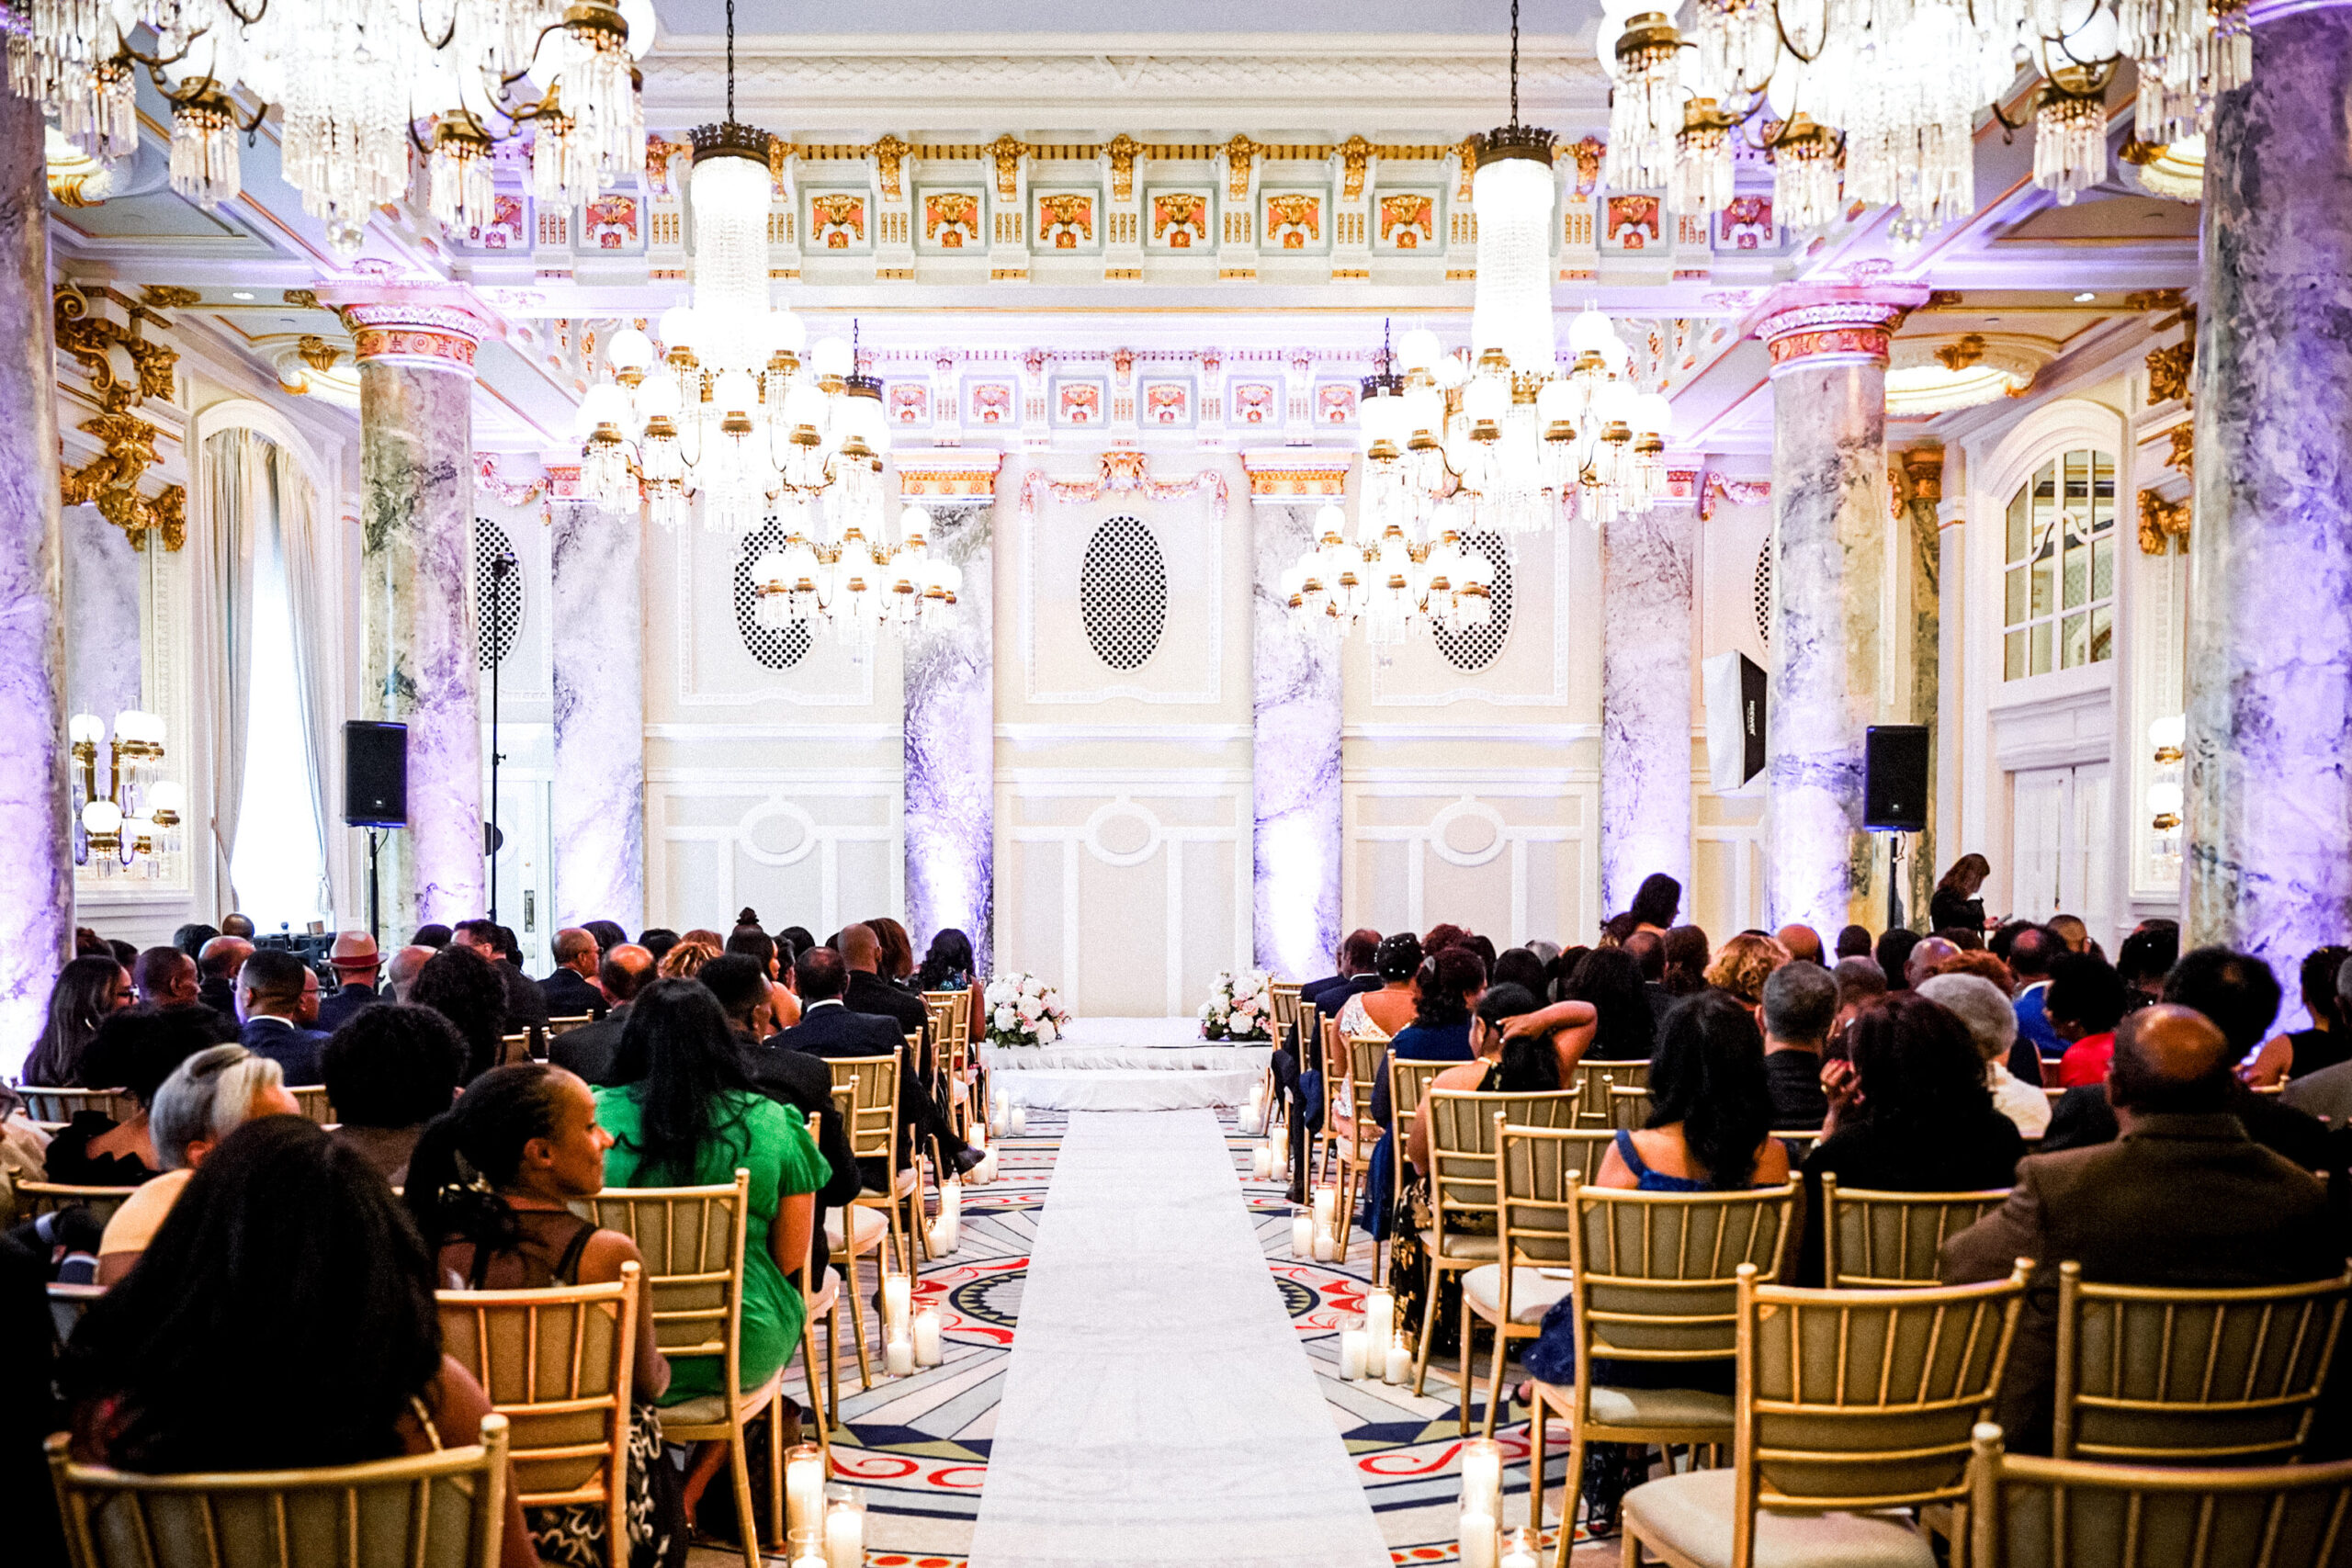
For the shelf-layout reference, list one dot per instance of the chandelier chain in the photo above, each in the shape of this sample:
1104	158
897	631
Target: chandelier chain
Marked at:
1514	62
731	59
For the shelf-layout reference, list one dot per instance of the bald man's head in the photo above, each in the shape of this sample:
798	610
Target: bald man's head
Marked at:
402	971
625	971
1924	958
861	949
1803	941
2169	1061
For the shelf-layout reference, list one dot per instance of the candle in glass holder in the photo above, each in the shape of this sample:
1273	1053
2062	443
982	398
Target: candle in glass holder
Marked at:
804	1488
1020	1119
898	1292
1400	1361
899	1355
986	1169
845	1530
1379	1314
950	1199
1326	1249
927	1350
1519	1552
1302	1234
1478	1540
1351	1353
1482	1477
1327	1206
1262	1163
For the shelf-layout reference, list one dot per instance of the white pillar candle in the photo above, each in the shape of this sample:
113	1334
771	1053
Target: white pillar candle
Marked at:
1379	1316
804	1488
1325	1250
1020	1121
899	1356
1327	1206
1519	1552
1262	1163
986	1169
898	1294
950	1199
846	1536
1482	1477
927	1350
1302	1234
1351	1353
1478	1541
1400	1362
811	1560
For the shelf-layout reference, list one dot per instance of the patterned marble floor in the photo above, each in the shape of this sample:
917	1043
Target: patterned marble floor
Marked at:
919	1445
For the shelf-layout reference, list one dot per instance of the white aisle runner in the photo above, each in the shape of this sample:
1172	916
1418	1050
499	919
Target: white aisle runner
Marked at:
1158	1406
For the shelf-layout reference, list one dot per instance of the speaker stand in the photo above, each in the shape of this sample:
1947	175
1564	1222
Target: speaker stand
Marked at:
1894	921
375	923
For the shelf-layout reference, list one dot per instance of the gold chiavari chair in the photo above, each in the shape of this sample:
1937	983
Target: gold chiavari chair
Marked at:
852	1230
1850	1405
559	1027
515	1047
1353	1151
60	1105
1408	1081
558	1363
311	1098
1800	1142
2055	1513
443	1509
1465	1201
1595	1087
873	1126
67	1303
1288	1007
1884	1240
1655	1279
2167	1374
2055	1096
915	1234
1629	1107
822	1299
35	1198
951	1033
691	1239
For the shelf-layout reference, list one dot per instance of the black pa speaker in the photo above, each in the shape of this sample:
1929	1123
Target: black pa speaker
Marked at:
375	774
1894	777
1735	689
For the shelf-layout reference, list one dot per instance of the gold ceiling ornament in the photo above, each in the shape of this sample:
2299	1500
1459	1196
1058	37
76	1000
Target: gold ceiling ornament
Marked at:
318	353
1961	353
1123	150
308	298
166	296
889	159
1240	152
91	339
1355	156
2161	522
2170	369
1006	151
2183	456
110	481
1466	151
2156	300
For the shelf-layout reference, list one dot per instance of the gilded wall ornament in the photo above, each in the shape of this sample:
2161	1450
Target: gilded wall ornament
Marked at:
1355	156
110	481
166	296
1240	153
1123	150
2161	522
2183	456
1960	354
308	298
90	339
2169	370
1006	151
889	159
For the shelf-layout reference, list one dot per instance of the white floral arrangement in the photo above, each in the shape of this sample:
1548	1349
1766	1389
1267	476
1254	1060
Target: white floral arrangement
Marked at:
1023	1011
1241	1007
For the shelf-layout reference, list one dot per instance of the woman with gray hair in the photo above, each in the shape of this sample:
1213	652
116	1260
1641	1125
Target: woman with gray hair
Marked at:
208	1097
1991	1020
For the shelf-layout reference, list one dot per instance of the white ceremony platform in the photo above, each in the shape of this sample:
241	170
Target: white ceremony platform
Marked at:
1127	1064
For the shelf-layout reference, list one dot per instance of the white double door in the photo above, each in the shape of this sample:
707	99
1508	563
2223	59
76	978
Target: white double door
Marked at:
2061	838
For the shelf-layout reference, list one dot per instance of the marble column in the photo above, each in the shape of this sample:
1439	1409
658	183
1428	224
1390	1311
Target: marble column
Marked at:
951	750
1918	476
2269	691
1645	637
598	813
420	653
36	864
1829	348
1294	762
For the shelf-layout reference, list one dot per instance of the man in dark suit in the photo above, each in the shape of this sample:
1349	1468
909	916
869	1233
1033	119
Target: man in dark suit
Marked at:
1332	993
2184	1198
589	1050
219	963
277	995
355	962
525	1008
869	993
568	991
829	1028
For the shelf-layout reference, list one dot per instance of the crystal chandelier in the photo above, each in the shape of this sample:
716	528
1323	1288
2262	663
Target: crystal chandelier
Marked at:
1387	582
859	587
354	80
1875	101
136	822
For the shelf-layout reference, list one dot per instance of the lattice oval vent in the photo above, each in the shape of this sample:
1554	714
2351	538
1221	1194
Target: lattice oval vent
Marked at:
1123	593
498	593
778	648
1474	648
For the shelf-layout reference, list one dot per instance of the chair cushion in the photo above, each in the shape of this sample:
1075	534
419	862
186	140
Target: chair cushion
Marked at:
1458	1245
828	1296
1689	1517
866	1225
710	1409
1530	1293
906	1185
1659	1407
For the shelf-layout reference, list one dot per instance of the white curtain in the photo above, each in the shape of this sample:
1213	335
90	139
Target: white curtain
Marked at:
237	500
308	592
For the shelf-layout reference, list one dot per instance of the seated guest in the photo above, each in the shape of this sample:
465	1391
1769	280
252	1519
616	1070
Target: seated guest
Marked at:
524	1007
219	963
285	1240
1908	1109
388	1071
1655	903
2085	1001
1742	965
829	1028
1687	953
2183	1199
587	1051
1963	938
1521	966
1859	981
436	937
947	967
685	1114
235	924
275	990
2324	1043
1893	956
571	991
207	1098
2071	930
686	957
1983	1009
463	987
1711	1114
1853	941
164	977
870	992
1799	1004
1446	989
608	934
1500	1064
2327	1093
401	974
1442	935
86	992
2031	953
356	963
1356	973
2237	993
496	1177
1977	960
897	962
751	941
1382	1010
2147	956
1803	943
657	941
799	1080
1647	950
1927	954
1624	1027
136	1049
190	938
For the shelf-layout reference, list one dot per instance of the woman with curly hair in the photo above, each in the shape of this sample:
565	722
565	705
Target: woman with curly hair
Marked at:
1742	966
460	985
685	961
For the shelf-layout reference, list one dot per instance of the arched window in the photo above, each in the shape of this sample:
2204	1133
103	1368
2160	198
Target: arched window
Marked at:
2058	584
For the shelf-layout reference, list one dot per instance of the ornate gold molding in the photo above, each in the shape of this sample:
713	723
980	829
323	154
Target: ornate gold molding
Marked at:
1006	151
889	159
318	353
1961	353
2169	369
2161	522
166	296
306	298
2183	457
1239	153
1123	150
111	482
1355	154
91	338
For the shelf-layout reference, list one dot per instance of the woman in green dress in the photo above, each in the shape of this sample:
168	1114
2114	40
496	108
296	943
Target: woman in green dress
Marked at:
684	1114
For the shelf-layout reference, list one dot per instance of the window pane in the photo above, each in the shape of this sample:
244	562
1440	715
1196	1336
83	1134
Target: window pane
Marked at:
2103	568
2075	647
2020	517
2102	493
2102	634
2042	649
2077	579
2013	656
2044	586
